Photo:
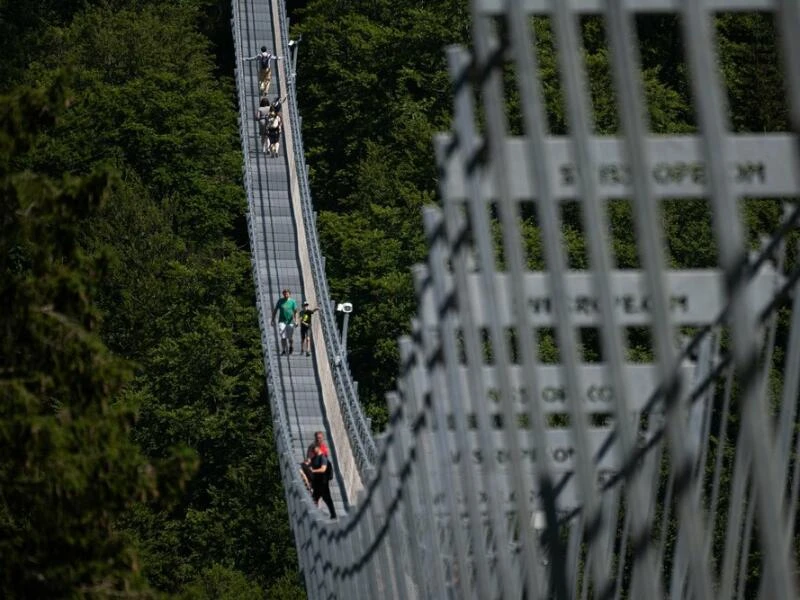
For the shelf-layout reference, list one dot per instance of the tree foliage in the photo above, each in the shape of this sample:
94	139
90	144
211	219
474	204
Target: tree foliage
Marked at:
193	504
68	467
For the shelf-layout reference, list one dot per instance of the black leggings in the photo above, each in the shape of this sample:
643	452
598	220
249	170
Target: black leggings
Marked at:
323	490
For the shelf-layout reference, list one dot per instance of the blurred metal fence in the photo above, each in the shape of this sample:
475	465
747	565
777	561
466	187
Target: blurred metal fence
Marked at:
531	452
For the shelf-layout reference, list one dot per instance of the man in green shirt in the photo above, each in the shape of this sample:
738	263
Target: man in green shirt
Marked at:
287	308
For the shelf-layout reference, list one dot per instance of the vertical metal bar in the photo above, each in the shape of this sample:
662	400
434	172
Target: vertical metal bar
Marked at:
465	127
574	547
791	384
677	581
362	586
455	226
596	228
389	552
349	589
788	21
769	347
362	577
623	553
792	504
699	423
612	506
744	551
722	441
667	512
337	560
437	258
535	117
707	402
372	570
429	530
712	111
303	546
737	501
788	415
410	535
326	561
315	568
385	570
438	389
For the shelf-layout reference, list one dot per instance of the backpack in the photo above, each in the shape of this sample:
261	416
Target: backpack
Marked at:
329	471
263	60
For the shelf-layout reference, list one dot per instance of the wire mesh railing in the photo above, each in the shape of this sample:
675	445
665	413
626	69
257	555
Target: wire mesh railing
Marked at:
358	428
306	519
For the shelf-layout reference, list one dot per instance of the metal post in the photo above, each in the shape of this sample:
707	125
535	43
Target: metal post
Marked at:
293	48
346	308
344	333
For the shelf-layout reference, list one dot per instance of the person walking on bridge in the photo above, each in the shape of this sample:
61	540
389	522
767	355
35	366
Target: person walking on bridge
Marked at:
287	308
305	466
274	129
262	116
322	473
276	104
319	440
265	59
305	328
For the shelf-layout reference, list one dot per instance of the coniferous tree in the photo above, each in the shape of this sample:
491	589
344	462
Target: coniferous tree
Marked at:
68	467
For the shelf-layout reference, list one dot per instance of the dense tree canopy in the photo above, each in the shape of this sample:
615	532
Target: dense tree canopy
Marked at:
134	408
67	464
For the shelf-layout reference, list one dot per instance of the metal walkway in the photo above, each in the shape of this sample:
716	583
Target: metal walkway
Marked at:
305	395
507	475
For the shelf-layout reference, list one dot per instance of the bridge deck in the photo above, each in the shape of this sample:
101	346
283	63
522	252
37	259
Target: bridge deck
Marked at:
277	236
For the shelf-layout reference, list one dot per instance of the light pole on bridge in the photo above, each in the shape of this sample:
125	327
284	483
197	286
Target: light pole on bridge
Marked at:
346	308
293	48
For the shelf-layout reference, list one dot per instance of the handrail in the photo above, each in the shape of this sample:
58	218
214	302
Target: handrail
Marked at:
364	447
280	419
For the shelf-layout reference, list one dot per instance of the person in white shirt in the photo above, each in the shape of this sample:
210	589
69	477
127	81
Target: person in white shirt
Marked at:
262	116
265	59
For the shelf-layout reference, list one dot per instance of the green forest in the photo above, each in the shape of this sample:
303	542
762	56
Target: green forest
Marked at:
136	451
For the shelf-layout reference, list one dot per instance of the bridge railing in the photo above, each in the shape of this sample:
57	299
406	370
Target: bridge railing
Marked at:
621	505
358	428
305	517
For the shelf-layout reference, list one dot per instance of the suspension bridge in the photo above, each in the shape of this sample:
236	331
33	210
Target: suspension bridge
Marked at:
503	473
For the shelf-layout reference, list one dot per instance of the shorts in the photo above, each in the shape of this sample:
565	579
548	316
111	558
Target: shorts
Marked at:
305	331
286	330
